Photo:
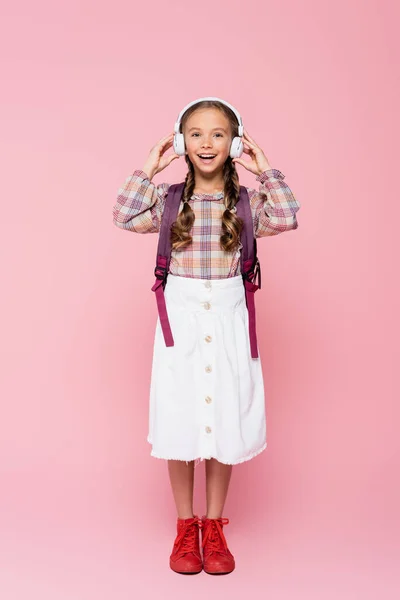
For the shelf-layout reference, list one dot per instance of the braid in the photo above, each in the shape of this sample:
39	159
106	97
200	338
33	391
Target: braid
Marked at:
180	236
231	224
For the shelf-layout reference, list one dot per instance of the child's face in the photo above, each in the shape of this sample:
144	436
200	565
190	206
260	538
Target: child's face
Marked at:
208	131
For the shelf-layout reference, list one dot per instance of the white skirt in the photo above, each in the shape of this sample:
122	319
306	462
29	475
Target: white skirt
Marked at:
207	392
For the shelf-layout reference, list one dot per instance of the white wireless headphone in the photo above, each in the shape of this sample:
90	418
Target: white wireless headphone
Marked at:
236	149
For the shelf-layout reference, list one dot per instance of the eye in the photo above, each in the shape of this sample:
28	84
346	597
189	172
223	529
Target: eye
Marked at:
196	133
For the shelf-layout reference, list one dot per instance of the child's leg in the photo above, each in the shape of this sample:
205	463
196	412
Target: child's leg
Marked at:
181	476
218	477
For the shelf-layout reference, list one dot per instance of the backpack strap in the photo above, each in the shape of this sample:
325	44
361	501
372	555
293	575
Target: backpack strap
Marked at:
250	265
170	213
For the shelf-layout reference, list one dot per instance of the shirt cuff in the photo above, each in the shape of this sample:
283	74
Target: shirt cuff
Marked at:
269	173
140	173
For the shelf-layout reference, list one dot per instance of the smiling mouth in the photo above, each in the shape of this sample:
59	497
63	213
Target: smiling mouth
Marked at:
206	158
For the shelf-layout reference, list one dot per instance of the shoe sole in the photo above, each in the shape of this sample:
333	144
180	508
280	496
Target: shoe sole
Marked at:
187	572
218	572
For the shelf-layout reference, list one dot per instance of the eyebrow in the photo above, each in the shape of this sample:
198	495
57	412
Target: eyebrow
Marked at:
215	128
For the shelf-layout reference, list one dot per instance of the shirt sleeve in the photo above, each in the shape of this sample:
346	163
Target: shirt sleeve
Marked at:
140	204
273	206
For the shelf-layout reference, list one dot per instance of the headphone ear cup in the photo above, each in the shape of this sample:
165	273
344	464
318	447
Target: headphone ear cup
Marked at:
179	144
236	147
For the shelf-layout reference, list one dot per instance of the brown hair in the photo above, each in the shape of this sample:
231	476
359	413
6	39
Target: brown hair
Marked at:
231	224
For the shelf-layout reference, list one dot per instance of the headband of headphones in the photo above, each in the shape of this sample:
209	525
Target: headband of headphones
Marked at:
239	118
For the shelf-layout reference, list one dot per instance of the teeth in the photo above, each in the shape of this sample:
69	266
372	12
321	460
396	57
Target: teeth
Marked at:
206	155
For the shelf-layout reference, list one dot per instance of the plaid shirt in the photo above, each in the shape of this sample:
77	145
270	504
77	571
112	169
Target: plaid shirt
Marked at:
139	208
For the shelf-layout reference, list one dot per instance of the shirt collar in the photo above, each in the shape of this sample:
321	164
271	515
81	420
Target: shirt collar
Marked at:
212	197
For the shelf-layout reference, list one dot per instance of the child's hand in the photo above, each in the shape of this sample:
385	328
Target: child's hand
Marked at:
156	162
259	162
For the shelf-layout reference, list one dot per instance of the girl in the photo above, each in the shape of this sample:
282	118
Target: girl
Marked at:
207	392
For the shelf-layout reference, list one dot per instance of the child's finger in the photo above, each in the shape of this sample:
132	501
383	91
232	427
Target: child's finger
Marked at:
166	144
237	161
166	138
250	143
250	138
247	141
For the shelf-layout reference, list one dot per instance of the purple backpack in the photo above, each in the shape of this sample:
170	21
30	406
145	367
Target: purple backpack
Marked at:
249	263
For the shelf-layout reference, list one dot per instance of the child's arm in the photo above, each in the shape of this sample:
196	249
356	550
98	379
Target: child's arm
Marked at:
273	206
140	204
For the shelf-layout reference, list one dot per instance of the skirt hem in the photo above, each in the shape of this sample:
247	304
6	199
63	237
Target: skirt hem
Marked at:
197	459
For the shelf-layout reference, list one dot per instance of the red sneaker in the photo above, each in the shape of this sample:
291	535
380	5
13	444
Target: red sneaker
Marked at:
185	556
217	558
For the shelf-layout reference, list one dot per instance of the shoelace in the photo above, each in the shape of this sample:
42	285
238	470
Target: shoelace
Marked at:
186	539
214	536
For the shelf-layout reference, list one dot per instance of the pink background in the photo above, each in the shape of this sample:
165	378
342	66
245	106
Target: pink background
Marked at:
85	512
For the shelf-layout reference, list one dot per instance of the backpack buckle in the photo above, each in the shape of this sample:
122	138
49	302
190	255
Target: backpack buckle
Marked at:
257	273
253	275
160	273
